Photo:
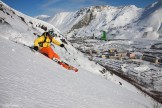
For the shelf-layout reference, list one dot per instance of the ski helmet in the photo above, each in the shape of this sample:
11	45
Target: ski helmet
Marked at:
51	32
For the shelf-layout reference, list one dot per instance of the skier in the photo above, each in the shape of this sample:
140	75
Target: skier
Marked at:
43	44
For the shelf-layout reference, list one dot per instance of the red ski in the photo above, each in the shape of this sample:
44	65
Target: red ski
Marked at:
65	65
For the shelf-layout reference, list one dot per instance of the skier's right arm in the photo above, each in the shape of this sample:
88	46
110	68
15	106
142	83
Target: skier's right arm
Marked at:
38	40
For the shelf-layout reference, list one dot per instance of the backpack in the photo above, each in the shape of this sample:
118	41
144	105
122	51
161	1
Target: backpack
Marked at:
45	34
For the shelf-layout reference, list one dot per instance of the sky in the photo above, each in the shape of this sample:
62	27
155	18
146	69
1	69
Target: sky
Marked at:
51	7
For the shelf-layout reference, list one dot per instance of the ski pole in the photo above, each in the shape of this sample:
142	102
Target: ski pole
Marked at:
66	50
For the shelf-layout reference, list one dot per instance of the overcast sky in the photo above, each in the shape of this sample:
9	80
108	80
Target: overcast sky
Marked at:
51	7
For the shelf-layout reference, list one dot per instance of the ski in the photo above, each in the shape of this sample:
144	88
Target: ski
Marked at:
65	65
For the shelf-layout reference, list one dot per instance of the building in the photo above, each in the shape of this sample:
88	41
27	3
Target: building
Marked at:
151	58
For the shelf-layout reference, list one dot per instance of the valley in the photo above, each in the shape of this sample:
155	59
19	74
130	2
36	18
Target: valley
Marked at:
134	61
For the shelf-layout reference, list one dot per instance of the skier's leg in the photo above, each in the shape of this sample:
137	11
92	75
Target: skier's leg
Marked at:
55	55
52	55
44	51
49	52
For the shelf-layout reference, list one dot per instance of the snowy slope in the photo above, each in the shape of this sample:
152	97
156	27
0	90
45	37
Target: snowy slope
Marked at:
30	80
151	20
61	19
151	12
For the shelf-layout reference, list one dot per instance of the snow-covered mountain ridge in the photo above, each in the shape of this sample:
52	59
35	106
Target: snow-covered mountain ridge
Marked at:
95	19
118	22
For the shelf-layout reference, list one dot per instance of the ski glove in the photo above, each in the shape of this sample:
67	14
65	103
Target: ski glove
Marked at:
62	45
36	48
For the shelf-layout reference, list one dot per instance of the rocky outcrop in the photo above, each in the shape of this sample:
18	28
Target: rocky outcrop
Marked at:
84	22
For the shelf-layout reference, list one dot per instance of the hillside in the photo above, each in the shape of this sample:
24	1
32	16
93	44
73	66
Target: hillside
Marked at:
31	80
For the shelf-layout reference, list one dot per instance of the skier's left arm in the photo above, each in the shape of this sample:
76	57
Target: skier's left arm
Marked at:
57	42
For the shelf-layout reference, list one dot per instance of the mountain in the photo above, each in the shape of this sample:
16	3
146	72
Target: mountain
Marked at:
43	17
150	21
29	79
93	20
118	22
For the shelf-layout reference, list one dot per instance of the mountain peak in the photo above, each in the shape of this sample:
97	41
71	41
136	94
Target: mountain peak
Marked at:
43	17
99	8
94	9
